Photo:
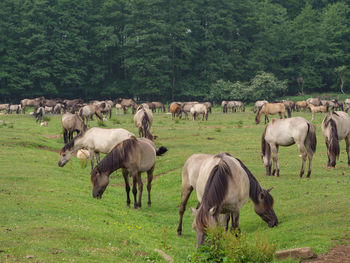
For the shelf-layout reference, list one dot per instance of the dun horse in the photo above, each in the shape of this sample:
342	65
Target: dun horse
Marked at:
134	156
335	127
88	111
315	109
272	109
71	123
143	119
197	109
223	185
287	132
95	140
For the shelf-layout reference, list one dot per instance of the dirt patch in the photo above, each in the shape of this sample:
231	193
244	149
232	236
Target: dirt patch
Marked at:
339	254
48	149
51	136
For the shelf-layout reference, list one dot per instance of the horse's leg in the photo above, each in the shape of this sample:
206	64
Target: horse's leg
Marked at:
235	223
313	116
134	189
149	184
310	154
347	142
97	154
303	157
280	113
139	181
127	186
65	135
276	168
185	194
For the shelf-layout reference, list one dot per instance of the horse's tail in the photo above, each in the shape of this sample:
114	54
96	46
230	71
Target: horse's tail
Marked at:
265	147
214	193
310	140
161	151
146	126
333	141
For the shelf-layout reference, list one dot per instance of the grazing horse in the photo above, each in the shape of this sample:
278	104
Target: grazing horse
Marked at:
258	104
315	109
71	123
175	109
95	140
73	105
223	185
158	105
16	107
271	108
36	103
287	132
5	107
209	106
134	156
143	119
39	113
88	111
301	105
126	103
335	127
197	109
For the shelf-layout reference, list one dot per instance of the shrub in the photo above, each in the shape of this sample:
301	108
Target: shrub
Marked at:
222	246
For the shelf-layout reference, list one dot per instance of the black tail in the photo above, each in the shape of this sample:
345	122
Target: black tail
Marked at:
310	139
161	151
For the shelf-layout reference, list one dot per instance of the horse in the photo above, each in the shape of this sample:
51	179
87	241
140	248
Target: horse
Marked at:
158	105
301	105
335	127
286	132
36	103
16	107
315	109
87	112
176	110
71	123
126	103
71	105
39	113
134	156
223	184
5	107
234	105
258	104
271	108
224	106
186	108
314	101
95	140
58	108
197	109
209	106
347	105
143	119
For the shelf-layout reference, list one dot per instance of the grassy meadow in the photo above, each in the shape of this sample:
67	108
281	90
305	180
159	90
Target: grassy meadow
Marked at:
47	213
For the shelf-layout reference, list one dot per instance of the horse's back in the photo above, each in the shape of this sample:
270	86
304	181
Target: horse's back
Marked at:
342	121
191	168
147	154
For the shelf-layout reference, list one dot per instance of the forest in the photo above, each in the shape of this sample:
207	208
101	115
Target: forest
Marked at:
172	49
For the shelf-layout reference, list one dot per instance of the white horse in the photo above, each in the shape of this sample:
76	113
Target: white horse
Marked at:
199	108
143	120
286	132
335	127
95	140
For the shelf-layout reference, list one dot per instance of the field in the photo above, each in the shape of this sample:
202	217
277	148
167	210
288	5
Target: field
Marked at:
47	213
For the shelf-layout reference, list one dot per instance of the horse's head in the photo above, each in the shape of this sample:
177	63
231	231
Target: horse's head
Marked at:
198	225
264	208
65	156
99	181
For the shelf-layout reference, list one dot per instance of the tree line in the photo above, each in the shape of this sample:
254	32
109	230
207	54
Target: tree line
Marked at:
172	50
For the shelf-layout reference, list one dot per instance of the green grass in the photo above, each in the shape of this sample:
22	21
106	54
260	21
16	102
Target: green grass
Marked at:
48	212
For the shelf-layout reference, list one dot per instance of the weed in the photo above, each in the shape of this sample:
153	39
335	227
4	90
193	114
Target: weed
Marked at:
217	129
239	124
101	124
46	118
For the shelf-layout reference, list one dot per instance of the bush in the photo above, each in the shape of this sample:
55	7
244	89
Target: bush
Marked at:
222	246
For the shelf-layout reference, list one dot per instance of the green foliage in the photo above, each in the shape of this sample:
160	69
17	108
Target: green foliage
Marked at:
101	123
222	246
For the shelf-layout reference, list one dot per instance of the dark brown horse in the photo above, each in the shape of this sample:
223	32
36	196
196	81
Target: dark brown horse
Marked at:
134	156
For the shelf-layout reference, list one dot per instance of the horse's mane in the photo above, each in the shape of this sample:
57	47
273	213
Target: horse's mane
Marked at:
70	144
254	187
214	192
114	159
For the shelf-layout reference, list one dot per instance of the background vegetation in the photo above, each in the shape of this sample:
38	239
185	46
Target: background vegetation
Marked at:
47	213
170	50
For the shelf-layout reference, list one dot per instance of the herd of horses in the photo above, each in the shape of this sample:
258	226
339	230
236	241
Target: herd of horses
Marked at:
222	182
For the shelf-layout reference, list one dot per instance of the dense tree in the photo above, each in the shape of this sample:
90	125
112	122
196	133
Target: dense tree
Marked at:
171	50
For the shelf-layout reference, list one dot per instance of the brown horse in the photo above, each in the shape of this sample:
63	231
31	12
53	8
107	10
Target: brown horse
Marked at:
134	156
315	109
71	123
301	105
158	105
175	109
223	185
287	132
126	103
335	127
272	109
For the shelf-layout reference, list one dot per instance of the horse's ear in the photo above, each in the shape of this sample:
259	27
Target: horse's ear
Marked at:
212	210
193	210
268	190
